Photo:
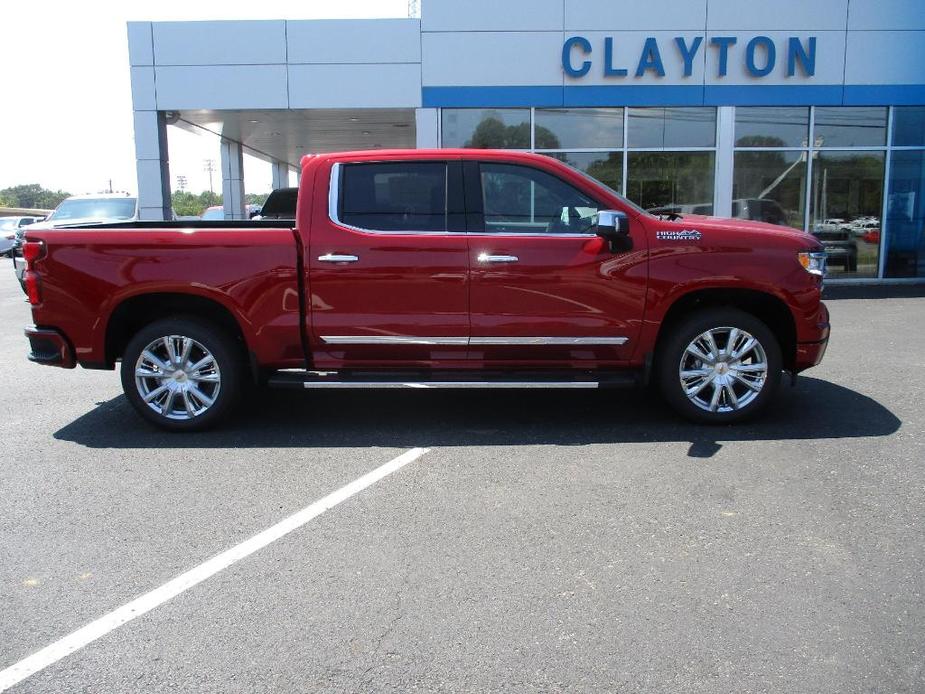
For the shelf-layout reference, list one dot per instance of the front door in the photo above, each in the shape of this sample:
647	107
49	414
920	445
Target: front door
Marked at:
545	290
387	265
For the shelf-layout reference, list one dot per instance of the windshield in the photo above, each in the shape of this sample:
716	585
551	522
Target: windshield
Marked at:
628	203
95	208
8	224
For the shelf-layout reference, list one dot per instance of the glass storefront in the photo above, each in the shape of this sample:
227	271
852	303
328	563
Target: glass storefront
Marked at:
606	167
663	128
667	182
486	128
846	202
770	187
905	209
833	171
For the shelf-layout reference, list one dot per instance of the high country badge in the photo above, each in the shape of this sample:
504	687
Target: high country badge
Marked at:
683	235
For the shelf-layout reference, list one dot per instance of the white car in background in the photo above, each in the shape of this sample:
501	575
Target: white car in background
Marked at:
11	231
102	208
92	209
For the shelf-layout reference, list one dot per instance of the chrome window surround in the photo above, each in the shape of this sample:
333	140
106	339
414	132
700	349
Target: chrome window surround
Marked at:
468	341
334	199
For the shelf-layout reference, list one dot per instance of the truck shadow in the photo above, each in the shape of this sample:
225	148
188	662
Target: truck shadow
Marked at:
814	409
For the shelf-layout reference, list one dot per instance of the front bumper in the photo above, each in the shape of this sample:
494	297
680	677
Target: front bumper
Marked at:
49	347
809	354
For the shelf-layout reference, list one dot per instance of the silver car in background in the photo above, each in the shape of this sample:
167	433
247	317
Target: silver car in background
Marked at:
12	230
77	210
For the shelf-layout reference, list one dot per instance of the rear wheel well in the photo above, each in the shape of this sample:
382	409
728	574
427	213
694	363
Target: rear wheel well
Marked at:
135	313
766	307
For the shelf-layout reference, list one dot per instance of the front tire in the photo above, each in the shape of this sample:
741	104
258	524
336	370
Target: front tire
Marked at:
719	366
182	374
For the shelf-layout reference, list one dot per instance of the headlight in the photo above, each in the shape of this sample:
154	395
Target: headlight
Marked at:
813	262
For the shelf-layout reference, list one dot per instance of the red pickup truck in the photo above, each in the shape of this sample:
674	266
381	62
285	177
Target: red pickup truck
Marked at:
433	269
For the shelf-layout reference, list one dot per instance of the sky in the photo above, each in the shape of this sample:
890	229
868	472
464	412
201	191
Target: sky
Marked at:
66	105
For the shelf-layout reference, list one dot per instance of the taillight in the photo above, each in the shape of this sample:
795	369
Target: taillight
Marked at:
31	252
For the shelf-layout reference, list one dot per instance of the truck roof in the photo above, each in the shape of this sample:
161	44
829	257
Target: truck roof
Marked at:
457	152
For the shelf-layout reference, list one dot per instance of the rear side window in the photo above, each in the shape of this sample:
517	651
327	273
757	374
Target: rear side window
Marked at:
394	196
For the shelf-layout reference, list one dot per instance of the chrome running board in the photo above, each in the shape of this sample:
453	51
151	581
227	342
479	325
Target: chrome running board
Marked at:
330	380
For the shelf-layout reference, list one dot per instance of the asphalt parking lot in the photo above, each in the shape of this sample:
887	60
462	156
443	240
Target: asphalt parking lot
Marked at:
544	542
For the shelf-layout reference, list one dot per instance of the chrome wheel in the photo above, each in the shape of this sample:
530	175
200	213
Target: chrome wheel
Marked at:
723	369
177	377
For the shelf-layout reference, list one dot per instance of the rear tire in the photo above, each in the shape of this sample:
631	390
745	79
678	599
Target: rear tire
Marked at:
182	374
719	366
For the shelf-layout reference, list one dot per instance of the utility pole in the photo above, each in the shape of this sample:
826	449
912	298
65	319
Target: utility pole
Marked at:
208	165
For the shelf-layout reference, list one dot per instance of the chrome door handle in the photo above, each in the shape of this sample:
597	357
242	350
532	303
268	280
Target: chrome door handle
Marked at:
488	258
337	258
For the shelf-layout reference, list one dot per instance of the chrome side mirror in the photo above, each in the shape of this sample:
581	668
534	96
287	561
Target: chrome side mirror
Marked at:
614	227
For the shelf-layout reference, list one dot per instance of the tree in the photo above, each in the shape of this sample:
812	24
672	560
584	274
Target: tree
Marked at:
492	133
32	195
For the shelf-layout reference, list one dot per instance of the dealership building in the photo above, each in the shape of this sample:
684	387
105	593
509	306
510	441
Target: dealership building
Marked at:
807	114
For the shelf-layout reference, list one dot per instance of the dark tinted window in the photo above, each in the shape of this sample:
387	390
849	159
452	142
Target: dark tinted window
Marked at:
525	200
909	126
399	196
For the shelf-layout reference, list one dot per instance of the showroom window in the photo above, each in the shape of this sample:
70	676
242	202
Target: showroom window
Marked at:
486	128
769	165
832	157
661	158
833	171
905	209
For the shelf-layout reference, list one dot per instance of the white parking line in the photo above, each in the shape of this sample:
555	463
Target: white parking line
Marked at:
78	639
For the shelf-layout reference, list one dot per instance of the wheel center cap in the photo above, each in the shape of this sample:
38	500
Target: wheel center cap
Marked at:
179	376
722	368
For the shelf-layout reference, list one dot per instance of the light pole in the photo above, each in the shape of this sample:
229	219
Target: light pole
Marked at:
208	165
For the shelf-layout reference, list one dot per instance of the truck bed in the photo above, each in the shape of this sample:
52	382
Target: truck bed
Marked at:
249	269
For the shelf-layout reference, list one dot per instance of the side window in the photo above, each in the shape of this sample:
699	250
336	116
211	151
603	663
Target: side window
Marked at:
395	196
520	199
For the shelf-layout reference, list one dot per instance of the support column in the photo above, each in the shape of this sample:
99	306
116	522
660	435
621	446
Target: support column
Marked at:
151	160
152	167
233	179
426	128
725	153
280	170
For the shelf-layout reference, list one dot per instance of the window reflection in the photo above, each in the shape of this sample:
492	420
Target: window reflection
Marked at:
606	167
671	127
579	128
770	187
664	182
846	202
905	215
758	126
909	126
841	126
486	128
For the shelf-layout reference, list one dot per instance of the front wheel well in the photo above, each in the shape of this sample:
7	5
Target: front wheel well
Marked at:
767	308
135	313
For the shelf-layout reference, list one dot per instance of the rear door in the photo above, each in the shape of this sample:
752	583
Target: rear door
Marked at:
545	290
387	264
